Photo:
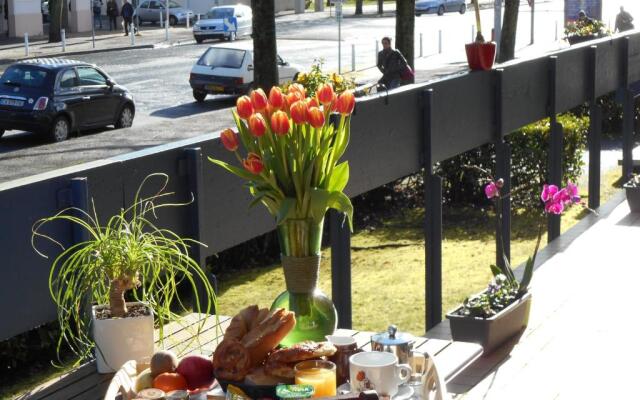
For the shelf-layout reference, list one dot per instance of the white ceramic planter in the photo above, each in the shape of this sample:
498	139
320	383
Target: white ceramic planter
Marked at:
121	339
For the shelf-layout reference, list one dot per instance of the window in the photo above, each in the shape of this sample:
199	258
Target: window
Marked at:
173	4
24	75
154	5
220	13
218	57
90	77
68	79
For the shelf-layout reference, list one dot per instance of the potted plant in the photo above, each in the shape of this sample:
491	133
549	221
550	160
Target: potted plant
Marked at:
289	151
632	191
128	255
501	311
585	29
480	54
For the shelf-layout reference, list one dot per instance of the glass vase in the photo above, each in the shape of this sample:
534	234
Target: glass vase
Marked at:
300	248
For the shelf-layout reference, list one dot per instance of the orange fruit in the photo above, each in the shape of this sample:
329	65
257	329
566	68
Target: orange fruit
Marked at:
169	381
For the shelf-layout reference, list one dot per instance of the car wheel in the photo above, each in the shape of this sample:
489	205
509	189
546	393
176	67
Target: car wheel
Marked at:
463	8
60	129
173	20
441	10
199	40
125	119
199	96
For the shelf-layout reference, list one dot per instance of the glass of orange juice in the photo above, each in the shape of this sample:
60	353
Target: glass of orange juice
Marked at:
319	374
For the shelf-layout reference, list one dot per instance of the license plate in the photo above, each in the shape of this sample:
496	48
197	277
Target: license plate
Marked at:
215	88
11	102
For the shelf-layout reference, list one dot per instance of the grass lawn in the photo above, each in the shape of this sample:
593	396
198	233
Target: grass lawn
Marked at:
388	278
387	271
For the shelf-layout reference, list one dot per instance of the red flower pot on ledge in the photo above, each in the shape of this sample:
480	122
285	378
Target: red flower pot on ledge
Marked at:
480	55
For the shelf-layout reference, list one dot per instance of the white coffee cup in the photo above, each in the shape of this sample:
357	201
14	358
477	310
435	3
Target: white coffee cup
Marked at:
379	371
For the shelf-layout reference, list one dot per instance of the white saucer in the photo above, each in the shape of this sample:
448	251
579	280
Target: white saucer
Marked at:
404	391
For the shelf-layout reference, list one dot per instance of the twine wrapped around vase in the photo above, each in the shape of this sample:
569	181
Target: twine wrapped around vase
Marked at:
301	273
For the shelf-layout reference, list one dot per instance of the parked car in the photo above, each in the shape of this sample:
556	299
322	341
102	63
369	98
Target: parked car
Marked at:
57	96
213	26
439	6
149	11
228	69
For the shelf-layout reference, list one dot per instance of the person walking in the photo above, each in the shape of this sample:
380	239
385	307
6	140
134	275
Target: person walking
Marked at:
112	13
97	13
391	63
127	15
624	21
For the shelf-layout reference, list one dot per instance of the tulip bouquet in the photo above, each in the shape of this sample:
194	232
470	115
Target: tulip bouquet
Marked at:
292	150
290	159
505	288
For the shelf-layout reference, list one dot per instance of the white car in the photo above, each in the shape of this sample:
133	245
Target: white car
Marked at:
228	69
225	22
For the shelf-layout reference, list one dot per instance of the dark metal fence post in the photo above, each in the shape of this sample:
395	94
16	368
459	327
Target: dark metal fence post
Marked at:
627	116
340	262
195	184
341	267
80	200
432	221
594	139
503	170
555	147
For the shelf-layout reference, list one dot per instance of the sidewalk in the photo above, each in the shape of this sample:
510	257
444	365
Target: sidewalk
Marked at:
149	37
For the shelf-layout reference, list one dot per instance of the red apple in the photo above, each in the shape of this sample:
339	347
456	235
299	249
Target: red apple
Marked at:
197	370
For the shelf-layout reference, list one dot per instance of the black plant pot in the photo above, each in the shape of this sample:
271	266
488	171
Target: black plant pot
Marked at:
580	39
494	331
633	197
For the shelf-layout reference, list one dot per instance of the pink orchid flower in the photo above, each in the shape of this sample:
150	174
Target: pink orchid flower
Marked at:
491	190
572	190
554	207
548	191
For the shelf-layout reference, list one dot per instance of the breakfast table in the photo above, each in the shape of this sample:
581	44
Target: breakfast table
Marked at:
199	334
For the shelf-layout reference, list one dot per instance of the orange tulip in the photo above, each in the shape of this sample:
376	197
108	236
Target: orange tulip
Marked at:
244	107
229	139
292	98
296	87
276	98
325	93
334	103
253	163
316	117
258	99
298	112
280	123
312	102
257	125
346	102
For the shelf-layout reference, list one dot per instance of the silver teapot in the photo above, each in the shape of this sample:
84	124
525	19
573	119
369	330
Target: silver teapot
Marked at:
392	341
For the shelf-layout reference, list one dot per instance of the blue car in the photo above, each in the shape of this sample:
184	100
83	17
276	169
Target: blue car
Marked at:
439	6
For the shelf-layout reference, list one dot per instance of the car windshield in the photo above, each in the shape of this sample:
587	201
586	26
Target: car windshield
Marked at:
173	4
24	75
217	57
220	13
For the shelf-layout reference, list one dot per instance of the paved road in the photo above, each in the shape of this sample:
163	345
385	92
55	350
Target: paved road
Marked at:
166	111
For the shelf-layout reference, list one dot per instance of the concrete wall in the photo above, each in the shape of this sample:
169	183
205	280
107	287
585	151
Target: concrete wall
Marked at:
25	16
80	17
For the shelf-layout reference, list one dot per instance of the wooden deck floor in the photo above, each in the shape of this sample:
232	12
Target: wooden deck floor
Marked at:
583	339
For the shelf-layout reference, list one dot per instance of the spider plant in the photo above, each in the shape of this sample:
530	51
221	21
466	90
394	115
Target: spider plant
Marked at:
128	254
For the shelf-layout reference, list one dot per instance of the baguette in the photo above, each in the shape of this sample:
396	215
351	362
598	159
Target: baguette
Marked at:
261	340
241	324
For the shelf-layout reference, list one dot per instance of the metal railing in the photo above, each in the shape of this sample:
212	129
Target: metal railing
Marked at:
393	135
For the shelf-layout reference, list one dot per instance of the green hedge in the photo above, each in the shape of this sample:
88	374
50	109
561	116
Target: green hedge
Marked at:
529	155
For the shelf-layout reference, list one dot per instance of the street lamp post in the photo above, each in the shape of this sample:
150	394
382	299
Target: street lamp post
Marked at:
339	17
166	21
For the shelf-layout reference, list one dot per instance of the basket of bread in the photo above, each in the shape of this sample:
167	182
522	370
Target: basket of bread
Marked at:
248	357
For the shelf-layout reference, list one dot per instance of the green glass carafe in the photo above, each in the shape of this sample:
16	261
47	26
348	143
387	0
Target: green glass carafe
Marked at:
300	248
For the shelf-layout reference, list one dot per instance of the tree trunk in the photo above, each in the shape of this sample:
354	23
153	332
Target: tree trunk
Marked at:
117	305
359	7
380	8
509	28
265	72
405	28
57	11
